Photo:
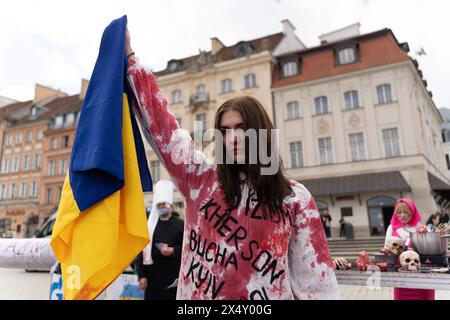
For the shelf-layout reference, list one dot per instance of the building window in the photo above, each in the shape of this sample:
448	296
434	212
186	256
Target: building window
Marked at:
250	80
34	189
325	150
227	85
293	110
37	161
49	195
23	190
290	68
16	164
51	168
321	105
176	96
346	55
5	165
2	191
351	100
19	138
53	143
200	92
40	135
347	212
65	141
33	110
59	121
13	191
391	142
70	118
357	146
384	93
9	140
447	159
30	136
200	125
26	162
62	166
296	154
154	168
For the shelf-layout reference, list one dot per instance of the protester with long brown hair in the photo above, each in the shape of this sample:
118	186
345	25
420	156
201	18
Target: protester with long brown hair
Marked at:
250	233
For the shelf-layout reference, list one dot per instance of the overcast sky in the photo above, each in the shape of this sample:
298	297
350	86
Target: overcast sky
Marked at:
55	43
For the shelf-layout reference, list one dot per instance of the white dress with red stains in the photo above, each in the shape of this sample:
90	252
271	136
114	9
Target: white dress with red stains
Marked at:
246	253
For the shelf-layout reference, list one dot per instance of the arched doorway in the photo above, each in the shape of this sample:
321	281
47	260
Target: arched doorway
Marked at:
380	210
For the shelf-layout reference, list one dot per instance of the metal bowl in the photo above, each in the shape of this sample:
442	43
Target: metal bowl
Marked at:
429	243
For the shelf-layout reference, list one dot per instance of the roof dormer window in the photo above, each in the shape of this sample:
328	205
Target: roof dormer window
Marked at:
243	49
346	54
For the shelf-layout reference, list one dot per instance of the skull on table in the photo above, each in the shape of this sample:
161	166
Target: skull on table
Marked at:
395	245
410	260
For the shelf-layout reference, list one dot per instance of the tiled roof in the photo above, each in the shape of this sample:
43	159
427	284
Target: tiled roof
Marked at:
375	49
226	53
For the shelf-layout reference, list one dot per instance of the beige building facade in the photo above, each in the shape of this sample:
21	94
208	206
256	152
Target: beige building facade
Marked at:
361	132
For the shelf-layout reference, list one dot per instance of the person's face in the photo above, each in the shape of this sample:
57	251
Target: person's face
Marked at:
233	138
436	220
164	208
403	213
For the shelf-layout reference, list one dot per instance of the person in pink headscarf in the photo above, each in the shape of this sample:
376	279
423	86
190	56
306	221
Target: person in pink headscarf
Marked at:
406	219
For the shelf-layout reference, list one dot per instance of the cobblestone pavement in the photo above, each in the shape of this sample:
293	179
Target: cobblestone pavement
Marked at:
16	284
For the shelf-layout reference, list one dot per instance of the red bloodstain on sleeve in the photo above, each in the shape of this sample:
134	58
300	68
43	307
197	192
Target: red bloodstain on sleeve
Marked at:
174	147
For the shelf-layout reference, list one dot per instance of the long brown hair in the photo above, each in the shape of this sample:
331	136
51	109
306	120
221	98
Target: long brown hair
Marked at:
270	189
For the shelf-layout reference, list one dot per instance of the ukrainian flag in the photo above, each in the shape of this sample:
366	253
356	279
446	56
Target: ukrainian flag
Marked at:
101	224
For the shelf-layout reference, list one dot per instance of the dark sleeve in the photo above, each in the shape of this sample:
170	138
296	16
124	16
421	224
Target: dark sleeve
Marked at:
139	265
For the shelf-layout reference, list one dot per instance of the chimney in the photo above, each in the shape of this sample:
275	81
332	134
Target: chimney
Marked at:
288	27
84	86
42	92
216	45
341	34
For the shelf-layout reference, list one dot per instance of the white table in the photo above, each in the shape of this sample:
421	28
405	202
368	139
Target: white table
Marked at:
414	280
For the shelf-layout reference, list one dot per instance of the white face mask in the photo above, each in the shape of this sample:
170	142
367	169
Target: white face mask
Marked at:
162	211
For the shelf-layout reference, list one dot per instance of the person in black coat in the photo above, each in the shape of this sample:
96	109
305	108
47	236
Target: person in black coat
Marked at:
159	279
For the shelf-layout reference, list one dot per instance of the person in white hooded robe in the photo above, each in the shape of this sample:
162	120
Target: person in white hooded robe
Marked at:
158	264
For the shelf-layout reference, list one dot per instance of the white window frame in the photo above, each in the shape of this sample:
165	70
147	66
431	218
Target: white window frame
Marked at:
357	146
290	68
40	135
15	164
298	154
51	168
62	166
5	165
176	96
26	162
34	189
351	100
321	105
346	56
53	143
293	110
49	195
23	189
390	149
384	95
37	161
226	85
328	157
250	80
13	190
59	121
